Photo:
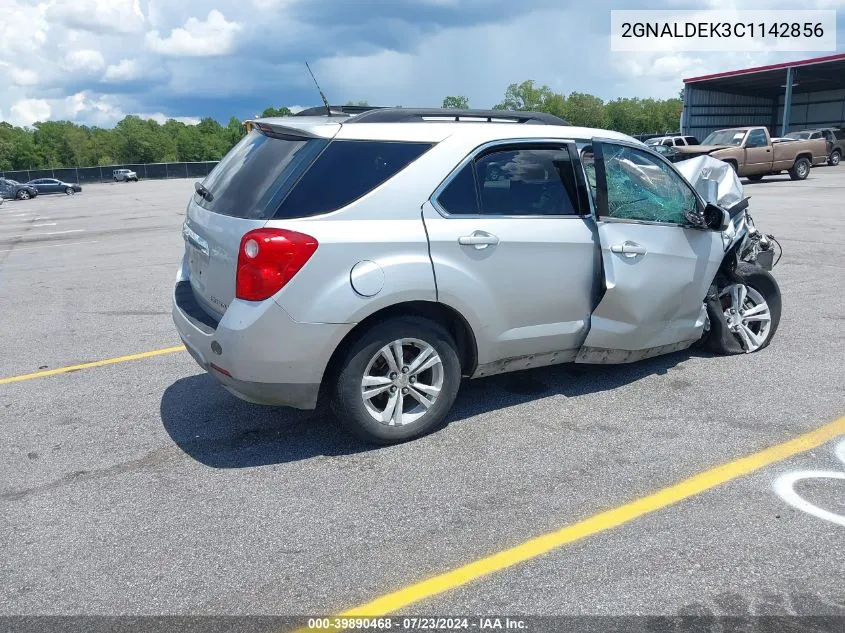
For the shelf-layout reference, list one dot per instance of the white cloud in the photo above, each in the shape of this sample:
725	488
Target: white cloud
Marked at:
84	59
214	36
98	16
24	77
125	70
161	118
28	111
23	29
96	110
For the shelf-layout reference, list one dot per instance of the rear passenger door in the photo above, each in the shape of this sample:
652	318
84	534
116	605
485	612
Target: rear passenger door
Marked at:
514	251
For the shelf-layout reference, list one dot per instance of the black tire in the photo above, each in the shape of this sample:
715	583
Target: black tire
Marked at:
755	177
733	166
347	403
115	179
801	169
834	158
719	339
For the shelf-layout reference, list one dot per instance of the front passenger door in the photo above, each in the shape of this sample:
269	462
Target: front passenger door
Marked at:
657	266
758	153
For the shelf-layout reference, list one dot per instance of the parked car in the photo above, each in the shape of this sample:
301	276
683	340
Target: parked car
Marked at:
673	140
51	185
14	190
373	261
669	152
753	154
833	137
124	175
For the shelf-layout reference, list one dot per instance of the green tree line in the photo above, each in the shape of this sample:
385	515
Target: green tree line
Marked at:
135	140
629	116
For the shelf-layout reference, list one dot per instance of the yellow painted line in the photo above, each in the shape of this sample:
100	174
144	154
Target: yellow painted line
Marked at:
91	365
601	522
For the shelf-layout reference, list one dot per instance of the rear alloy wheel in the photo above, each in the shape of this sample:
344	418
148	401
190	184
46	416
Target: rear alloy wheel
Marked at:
834	159
398	381
24	195
800	170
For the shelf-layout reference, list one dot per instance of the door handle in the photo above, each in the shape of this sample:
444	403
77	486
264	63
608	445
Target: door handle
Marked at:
478	239
629	249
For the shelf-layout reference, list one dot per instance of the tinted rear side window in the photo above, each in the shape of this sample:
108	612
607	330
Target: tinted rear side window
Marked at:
344	172
459	196
530	180
253	178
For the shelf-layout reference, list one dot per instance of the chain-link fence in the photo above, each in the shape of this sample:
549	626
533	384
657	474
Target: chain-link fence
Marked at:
153	171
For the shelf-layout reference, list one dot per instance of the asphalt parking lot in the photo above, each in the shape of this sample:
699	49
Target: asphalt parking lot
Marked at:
140	487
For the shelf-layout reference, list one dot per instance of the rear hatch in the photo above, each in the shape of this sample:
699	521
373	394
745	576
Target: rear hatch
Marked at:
242	192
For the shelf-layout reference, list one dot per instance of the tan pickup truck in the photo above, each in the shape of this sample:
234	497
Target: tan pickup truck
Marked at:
754	154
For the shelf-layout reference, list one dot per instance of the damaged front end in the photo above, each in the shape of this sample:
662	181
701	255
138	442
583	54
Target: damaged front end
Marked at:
743	302
717	183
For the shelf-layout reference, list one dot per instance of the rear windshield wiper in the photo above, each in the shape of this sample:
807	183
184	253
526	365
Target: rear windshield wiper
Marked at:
201	190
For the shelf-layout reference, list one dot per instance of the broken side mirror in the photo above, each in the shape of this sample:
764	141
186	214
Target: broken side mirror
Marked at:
716	218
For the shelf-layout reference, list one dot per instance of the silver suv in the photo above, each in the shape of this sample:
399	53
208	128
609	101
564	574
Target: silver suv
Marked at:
374	260
124	175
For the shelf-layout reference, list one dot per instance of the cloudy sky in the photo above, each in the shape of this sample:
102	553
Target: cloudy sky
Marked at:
94	61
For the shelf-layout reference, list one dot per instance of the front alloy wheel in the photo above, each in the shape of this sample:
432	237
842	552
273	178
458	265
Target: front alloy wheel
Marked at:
747	314
24	195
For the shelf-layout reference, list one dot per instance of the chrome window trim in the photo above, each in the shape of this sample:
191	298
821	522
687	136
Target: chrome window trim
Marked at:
480	150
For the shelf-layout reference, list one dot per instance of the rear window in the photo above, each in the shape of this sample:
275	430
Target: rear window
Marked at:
346	171
253	178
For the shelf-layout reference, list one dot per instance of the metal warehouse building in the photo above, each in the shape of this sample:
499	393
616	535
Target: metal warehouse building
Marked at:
783	97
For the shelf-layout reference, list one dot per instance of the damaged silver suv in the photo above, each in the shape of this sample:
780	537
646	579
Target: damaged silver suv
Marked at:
374	260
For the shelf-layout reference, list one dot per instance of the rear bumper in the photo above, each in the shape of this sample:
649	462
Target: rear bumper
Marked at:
268	358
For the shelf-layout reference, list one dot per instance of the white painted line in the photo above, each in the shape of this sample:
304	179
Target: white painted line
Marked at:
20	224
785	488
33	248
50	233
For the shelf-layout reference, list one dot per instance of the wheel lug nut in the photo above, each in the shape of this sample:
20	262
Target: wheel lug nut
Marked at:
404	370
404	390
393	390
393	376
412	380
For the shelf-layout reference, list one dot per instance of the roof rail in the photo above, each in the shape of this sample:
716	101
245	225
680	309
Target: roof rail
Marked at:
347	110
409	115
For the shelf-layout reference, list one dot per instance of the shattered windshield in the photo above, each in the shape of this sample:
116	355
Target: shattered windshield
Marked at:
724	137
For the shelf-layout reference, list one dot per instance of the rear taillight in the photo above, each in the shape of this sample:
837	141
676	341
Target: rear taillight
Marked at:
268	259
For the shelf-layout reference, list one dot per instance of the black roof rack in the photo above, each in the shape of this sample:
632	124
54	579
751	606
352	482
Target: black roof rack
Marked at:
409	115
348	110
